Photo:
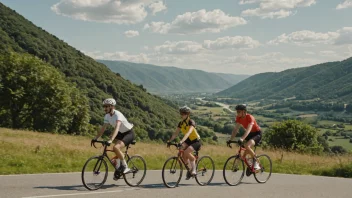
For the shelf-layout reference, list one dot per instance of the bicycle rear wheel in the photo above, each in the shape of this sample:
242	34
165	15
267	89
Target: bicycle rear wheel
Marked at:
172	172
233	171
205	170
138	170
265	165
94	173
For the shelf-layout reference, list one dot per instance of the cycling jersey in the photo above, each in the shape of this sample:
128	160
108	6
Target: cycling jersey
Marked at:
248	120
117	115
184	126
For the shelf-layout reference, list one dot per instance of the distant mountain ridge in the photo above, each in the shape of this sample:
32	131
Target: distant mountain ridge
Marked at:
160	79
331	80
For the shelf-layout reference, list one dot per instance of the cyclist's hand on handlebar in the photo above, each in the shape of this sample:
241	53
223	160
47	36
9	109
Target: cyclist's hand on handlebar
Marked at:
108	143
179	144
240	142
228	142
92	141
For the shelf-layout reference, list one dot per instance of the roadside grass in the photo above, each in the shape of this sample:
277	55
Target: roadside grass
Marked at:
34	152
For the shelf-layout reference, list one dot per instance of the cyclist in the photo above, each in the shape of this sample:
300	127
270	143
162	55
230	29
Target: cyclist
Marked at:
253	133
123	131
190	141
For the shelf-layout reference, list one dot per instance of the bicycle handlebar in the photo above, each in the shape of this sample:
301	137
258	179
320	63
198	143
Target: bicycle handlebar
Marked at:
236	142
177	145
105	143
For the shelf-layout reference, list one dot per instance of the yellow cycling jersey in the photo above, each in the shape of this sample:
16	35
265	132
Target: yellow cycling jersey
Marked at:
184	126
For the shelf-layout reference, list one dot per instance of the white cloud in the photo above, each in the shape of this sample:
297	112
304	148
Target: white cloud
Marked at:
328	53
271	61
306	38
157	7
236	42
309	38
107	11
180	47
191	47
248	1
158	27
345	36
275	8
131	33
309	52
197	22
122	56
348	52
345	4
263	14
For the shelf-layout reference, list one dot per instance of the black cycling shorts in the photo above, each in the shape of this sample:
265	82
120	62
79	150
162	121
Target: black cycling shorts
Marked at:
126	137
196	144
256	136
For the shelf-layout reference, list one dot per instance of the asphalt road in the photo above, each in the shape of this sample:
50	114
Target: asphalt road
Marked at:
278	186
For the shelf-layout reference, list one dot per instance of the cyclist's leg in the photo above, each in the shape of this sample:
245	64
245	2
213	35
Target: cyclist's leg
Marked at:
118	145
254	140
123	140
250	143
185	156
195	146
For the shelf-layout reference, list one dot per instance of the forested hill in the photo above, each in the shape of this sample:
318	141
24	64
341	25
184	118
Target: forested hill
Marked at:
162	79
331	80
148	112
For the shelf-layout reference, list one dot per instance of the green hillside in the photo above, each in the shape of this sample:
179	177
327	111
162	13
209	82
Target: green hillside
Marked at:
159	79
332	80
149	113
232	78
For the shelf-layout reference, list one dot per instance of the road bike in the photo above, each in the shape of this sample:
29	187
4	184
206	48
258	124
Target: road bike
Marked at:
234	167
95	170
173	168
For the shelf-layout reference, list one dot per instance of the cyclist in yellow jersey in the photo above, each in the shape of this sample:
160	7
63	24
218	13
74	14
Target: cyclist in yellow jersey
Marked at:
191	139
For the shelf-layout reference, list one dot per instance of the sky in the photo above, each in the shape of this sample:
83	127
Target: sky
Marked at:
226	36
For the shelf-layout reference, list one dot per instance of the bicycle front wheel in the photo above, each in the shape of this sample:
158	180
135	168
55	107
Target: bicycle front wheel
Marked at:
138	170
172	172
233	171
205	170
94	173
263	174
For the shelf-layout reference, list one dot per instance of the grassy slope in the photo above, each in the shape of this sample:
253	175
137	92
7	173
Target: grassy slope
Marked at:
33	152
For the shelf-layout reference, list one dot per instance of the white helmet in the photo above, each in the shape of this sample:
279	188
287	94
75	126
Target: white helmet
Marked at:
185	109
109	101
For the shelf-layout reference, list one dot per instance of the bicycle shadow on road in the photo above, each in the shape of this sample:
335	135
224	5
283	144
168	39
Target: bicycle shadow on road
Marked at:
74	187
162	186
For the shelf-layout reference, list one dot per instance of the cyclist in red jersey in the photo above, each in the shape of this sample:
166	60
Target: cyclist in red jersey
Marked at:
253	133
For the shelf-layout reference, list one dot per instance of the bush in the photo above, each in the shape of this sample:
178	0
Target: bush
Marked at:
341	170
293	135
338	150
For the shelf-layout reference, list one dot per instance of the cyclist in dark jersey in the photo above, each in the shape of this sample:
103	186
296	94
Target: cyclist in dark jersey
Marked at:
253	133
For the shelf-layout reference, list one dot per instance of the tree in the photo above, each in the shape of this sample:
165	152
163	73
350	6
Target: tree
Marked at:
293	135
338	150
36	96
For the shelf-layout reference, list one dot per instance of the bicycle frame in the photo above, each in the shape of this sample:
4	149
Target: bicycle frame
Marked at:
105	155
251	167
180	154
243	158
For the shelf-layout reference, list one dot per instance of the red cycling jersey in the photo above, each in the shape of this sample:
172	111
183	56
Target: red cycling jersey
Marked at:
246	121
